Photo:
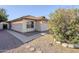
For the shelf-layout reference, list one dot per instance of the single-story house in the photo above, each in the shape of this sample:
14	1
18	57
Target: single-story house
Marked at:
29	23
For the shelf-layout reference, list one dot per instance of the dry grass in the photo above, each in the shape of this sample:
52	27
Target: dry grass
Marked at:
43	44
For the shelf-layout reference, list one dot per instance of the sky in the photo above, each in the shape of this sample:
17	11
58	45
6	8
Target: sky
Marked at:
16	11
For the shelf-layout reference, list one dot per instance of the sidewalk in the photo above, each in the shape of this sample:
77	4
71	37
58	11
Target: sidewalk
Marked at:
22	37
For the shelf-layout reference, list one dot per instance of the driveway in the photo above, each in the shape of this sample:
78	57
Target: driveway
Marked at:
8	41
26	37
33	33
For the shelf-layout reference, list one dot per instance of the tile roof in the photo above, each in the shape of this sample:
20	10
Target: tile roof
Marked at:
29	17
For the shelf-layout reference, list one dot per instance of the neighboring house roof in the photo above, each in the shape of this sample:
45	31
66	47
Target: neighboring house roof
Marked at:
29	17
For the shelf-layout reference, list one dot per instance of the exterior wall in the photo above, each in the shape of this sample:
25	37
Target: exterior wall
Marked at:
37	26
24	26
21	26
17	26
44	26
41	26
29	29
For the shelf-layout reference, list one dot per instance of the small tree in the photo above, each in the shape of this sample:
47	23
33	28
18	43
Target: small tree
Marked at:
64	24
3	15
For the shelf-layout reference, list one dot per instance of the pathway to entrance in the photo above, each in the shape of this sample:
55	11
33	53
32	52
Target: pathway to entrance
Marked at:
8	41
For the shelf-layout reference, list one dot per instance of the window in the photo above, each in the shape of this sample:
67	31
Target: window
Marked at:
30	24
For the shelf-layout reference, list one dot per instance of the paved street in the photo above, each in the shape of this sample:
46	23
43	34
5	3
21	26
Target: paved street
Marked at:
8	41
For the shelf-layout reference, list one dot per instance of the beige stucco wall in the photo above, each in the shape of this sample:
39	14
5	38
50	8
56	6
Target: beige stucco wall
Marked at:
41	25
44	26
37	26
28	29
21	26
17	26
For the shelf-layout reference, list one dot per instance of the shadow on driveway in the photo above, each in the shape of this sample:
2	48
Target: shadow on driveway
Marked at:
8	41
34	33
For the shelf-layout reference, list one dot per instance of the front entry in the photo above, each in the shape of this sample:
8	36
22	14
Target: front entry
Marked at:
4	26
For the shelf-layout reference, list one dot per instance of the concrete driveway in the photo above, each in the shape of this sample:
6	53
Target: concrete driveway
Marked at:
8	41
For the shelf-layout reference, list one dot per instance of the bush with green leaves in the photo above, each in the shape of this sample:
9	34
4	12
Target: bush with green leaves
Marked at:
64	25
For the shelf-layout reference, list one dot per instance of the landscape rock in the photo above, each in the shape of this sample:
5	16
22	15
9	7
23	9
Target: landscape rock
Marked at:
76	45
64	44
43	33
57	42
28	46
32	49
50	43
71	45
54	40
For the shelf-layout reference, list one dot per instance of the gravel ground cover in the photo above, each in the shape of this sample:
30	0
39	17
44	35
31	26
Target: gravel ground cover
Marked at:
43	44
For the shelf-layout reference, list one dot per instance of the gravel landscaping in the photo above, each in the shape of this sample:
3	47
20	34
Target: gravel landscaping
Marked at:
43	44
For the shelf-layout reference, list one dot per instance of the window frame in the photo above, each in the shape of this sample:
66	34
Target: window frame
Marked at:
30	24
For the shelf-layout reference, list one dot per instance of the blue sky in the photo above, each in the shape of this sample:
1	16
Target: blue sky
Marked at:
15	11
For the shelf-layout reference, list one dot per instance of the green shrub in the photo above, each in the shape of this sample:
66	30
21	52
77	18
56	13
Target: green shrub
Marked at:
64	25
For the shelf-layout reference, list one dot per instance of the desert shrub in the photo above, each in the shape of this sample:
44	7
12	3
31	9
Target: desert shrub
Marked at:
64	25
